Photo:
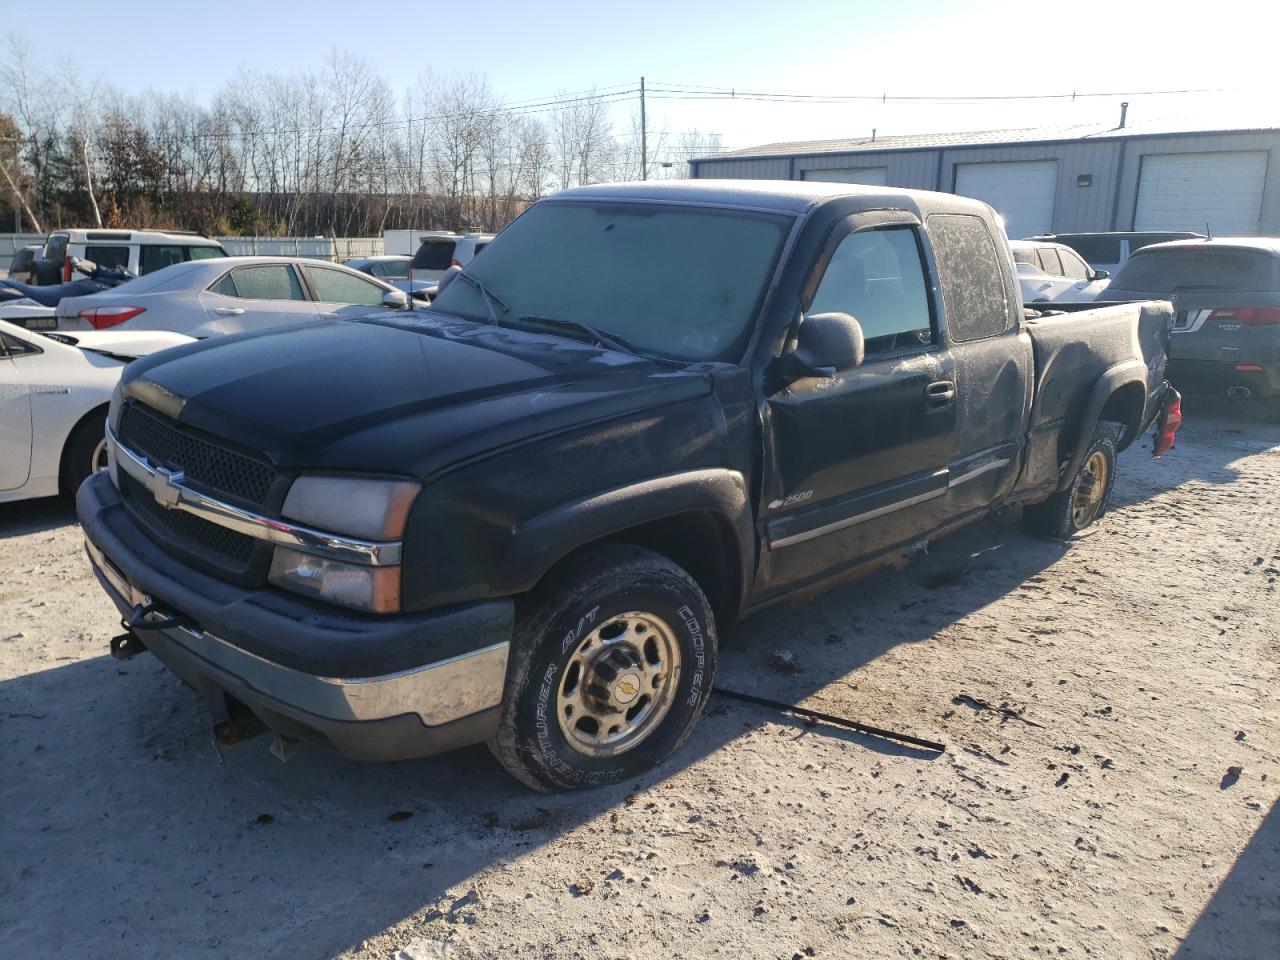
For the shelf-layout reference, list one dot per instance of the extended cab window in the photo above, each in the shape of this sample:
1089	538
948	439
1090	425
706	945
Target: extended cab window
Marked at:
972	277
265	283
877	277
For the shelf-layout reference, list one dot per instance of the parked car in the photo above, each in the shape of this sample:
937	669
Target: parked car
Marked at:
204	298
393	270
1108	250
441	251
53	404
19	300
1226	332
23	265
138	251
1054	273
525	515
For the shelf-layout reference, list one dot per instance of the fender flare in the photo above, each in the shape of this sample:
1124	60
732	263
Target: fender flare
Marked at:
548	537
1113	379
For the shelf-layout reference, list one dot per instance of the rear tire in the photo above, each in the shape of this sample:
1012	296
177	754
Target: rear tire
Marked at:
1085	500
85	452
611	665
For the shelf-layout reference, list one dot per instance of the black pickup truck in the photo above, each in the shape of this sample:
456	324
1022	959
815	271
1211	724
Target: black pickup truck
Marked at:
525	515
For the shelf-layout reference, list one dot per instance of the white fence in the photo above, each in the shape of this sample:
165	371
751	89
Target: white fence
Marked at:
316	248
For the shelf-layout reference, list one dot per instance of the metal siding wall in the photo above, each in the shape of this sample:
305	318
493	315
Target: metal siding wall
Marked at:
747	169
1213	143
903	168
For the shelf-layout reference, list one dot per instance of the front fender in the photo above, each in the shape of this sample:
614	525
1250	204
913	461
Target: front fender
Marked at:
552	535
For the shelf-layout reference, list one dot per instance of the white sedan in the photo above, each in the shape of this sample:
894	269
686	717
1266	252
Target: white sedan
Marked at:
205	298
54	391
1054	273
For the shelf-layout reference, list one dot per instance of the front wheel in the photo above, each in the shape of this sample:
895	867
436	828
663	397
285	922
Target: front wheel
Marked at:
611	666
1085	499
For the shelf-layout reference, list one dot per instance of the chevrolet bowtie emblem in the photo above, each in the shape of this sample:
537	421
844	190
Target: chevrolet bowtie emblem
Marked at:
166	487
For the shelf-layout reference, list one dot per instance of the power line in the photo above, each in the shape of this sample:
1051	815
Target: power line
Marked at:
701	92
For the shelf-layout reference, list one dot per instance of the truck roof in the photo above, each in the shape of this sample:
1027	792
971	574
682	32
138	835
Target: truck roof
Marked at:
783	196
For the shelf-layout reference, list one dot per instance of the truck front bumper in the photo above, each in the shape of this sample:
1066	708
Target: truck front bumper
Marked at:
371	687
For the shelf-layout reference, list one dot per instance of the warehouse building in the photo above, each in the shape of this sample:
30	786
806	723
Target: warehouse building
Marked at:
1059	180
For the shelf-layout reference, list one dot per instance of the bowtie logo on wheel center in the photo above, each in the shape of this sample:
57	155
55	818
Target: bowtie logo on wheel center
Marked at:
626	688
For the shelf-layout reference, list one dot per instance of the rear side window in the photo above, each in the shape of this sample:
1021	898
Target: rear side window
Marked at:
336	286
1095	249
971	272
105	256
204	253
152	258
434	255
265	283
1026	256
1161	271
876	276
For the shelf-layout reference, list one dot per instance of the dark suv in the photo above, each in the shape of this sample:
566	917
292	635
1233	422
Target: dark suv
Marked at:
1226	332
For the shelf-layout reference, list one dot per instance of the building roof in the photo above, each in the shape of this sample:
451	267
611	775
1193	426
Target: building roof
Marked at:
972	138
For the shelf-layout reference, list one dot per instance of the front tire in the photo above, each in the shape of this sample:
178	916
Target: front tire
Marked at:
611	666
1085	499
85	452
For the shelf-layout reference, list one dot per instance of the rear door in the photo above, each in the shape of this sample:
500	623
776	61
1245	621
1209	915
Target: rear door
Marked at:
15	416
857	463
342	293
253	297
992	357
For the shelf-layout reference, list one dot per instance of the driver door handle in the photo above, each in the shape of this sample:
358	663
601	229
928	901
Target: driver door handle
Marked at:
228	311
940	394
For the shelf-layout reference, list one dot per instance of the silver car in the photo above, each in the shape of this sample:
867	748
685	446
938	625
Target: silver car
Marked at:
205	298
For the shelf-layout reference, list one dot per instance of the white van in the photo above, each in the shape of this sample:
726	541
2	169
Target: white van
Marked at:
438	252
138	251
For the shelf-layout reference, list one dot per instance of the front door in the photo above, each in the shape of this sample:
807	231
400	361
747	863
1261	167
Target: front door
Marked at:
858	463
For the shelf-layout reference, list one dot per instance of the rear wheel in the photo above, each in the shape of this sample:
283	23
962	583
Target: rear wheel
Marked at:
85	452
1085	499
611	666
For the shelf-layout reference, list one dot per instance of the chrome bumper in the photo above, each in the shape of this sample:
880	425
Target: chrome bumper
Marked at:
436	693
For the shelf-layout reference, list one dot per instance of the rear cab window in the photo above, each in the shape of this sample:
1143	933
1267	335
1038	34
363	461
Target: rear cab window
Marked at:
434	254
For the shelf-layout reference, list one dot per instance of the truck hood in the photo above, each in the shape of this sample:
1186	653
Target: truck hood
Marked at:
405	395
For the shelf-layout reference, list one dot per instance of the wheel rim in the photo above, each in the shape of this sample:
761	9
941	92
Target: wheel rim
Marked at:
99	459
619	684
1087	501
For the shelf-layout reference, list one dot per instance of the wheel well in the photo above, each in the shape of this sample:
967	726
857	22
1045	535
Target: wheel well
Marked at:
1124	407
703	544
71	435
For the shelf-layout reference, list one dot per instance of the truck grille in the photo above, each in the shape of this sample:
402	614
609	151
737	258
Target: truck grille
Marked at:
205	464
216	468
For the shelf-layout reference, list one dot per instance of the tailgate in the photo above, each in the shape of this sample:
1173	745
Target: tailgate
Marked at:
1227	328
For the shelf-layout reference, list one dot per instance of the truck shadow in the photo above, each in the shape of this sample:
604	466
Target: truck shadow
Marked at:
36	516
1241	919
115	800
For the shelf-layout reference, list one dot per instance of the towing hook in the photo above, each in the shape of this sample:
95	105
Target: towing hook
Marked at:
127	645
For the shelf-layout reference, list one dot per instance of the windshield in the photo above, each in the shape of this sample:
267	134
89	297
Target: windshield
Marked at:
1160	271
673	281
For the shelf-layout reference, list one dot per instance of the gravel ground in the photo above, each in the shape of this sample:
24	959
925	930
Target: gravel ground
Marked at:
1109	789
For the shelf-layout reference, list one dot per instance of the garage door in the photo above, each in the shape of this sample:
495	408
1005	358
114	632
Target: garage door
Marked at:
876	176
1022	193
1184	191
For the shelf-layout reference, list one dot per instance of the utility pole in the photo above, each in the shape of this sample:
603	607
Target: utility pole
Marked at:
644	138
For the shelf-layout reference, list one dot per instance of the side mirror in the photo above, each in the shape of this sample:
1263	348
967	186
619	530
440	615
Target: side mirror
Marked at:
1102	274
447	279
395	298
827	344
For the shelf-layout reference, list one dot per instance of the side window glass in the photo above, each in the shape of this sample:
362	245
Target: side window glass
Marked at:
1073	267
877	277
56	248
267	283
226	286
107	256
337	286
152	258
15	347
1049	262
203	253
971	272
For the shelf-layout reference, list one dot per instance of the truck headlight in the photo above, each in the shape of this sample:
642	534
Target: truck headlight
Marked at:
357	507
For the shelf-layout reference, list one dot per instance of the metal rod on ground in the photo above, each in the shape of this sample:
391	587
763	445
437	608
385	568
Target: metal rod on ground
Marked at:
832	719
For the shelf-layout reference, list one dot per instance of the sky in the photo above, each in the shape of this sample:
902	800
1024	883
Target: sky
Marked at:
909	48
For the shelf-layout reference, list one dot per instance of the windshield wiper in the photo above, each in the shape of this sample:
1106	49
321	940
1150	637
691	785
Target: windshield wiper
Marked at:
489	298
610	340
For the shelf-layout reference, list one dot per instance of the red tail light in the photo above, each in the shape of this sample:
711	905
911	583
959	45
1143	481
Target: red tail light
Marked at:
1170	421
1249	367
102	317
1249	316
66	270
